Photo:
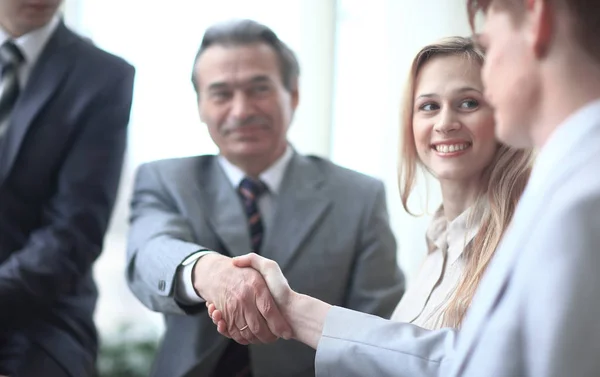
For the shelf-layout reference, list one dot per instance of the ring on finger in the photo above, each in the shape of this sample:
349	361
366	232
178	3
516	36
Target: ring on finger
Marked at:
244	328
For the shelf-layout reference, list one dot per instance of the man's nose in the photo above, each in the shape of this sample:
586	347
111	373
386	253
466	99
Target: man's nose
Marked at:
241	107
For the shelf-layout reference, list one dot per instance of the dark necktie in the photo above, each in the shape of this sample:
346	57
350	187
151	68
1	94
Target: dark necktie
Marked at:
10	60
250	190
235	361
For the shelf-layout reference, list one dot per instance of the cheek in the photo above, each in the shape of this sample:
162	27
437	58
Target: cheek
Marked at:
422	139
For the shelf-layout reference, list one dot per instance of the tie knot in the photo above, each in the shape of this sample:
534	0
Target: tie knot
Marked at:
251	188
10	55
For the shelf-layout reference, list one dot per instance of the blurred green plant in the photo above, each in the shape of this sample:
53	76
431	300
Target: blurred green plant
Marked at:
126	354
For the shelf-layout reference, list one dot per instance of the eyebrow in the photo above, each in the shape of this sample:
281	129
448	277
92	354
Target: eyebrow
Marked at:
461	90
254	80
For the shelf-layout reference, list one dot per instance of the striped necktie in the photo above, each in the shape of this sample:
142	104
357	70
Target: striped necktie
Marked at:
250	191
235	361
10	60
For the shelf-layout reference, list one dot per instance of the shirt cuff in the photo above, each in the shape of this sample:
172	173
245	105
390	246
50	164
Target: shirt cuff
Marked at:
184	289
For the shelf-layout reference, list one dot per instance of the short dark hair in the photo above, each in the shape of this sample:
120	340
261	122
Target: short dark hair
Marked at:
585	14
245	32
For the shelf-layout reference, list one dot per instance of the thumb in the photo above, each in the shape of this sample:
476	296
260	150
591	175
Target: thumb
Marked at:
248	260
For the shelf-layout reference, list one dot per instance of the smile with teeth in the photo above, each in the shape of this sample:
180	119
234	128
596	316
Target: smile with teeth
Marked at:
451	148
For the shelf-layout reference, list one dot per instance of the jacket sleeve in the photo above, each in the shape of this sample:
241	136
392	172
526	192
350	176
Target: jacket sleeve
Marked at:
356	344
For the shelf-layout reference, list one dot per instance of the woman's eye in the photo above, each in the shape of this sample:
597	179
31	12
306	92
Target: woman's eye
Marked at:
429	107
469	104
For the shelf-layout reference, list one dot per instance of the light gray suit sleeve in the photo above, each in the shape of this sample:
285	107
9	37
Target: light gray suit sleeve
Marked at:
160	239
377	284
562	333
356	344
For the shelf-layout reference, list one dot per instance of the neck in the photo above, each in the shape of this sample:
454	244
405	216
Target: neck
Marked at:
457	196
254	166
567	85
11	29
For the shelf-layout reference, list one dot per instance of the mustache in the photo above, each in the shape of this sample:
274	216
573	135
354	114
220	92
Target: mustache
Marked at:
253	120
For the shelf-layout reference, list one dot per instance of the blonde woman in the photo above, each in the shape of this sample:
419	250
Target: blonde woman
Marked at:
448	131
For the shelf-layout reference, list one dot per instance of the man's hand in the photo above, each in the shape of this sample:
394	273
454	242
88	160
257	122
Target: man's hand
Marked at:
276	282
245	304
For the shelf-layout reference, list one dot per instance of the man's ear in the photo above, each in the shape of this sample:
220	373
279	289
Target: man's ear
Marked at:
295	94
540	24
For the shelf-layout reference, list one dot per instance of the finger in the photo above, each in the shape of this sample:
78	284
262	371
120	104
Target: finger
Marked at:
222	329
211	309
259	327
217	316
244	260
235	322
244	329
273	317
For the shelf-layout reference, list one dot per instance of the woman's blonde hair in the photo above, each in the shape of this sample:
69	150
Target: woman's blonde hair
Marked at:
503	183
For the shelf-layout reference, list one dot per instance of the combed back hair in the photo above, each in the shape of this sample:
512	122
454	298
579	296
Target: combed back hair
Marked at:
585	18
245	32
503	182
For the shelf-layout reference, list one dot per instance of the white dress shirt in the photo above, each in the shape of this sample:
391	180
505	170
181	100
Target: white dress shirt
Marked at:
272	178
440	273
31	46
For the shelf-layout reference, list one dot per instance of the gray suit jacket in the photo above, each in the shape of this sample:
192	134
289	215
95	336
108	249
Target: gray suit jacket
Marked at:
537	309
330	235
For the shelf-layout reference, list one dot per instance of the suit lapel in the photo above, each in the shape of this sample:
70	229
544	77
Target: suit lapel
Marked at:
47	75
224	209
299	207
497	275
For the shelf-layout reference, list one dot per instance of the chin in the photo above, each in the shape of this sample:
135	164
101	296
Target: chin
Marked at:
251	148
458	174
512	131
512	136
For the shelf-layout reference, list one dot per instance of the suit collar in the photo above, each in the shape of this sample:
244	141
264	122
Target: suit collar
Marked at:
271	177
563	143
32	44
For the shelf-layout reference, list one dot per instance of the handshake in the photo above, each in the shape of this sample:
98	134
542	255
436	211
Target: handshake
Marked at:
248	298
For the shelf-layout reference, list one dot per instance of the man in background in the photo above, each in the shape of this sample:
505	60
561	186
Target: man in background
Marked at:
326	226
64	110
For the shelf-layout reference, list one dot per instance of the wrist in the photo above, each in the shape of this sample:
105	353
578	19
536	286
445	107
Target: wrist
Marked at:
306	316
203	274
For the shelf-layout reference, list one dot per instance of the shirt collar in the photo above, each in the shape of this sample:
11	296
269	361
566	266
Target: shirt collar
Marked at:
271	177
452	237
565	139
32	43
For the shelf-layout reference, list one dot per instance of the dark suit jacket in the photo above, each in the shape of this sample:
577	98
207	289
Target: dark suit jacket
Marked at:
330	234
60	164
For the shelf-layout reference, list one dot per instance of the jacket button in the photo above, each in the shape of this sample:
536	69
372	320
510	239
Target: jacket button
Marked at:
161	285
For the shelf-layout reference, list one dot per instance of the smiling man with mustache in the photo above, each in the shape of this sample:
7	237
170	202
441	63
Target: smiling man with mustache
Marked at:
327	226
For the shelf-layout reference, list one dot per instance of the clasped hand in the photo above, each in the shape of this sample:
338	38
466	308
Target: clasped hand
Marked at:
280	292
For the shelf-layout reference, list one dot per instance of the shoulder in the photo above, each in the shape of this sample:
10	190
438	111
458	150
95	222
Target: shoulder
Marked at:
569	225
342	178
174	169
88	56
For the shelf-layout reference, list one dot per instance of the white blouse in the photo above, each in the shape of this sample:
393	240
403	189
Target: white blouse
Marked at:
440	273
